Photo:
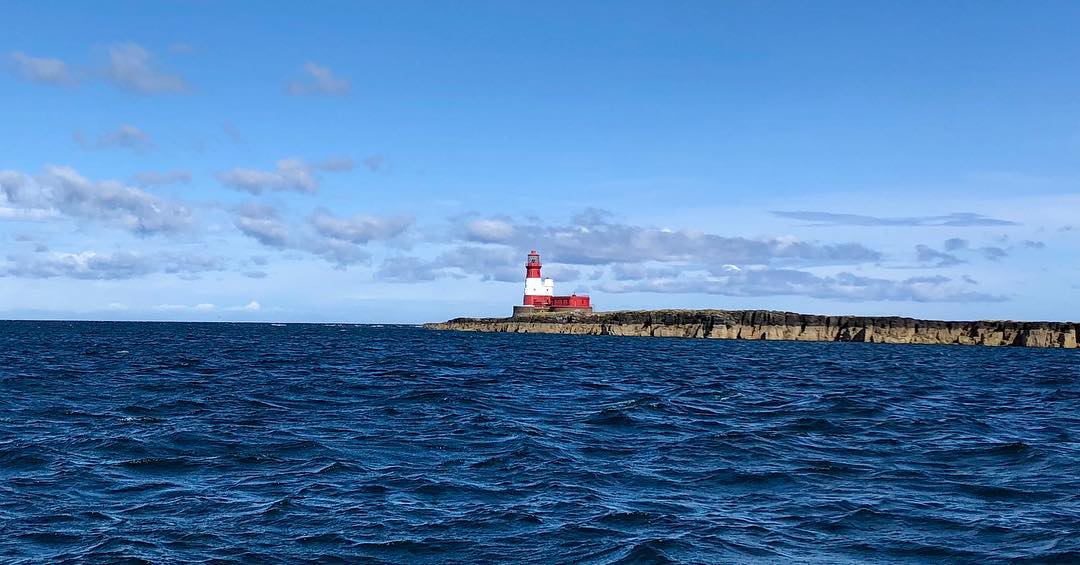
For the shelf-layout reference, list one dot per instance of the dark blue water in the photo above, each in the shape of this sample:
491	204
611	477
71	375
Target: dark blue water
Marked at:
259	443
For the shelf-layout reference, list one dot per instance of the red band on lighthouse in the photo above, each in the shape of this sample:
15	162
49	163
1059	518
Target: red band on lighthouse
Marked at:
532	265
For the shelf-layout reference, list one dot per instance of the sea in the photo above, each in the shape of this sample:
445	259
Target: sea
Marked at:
260	443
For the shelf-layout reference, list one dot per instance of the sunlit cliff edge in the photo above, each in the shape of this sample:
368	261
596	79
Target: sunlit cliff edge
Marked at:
773	325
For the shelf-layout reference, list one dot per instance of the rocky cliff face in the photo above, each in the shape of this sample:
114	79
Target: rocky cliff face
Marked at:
770	325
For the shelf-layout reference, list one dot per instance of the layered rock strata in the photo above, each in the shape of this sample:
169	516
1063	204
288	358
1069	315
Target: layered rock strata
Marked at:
771	325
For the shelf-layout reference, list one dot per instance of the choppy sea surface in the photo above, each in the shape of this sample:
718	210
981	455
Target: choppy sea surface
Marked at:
162	442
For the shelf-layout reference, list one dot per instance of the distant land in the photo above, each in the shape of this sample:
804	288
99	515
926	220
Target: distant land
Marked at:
773	325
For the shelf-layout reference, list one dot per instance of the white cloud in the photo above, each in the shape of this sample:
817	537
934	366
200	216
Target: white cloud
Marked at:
85	265
27	214
252	306
779	282
124	137
955	219
341	240
203	307
63	190
131	66
288	175
42	70
154	178
319	80
930	257
171	307
593	238
336	164
262	223
374	163
92	265
489	231
360	228
490	263
233	134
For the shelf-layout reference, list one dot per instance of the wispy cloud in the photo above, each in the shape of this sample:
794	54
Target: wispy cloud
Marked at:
408	270
340	240
489	263
993	253
956	219
91	265
62	190
294	175
41	70
233	134
125	136
489	230
593	238
132	67
205	307
956	244
490	247
154	178
128	65
360	228
252	306
988	252
261	223
16	213
780	282
930	257
319	80
336	164
374	163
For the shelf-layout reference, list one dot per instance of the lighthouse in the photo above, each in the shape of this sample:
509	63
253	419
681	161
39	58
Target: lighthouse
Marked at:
540	292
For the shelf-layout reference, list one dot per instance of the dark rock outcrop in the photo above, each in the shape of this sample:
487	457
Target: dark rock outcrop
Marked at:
772	325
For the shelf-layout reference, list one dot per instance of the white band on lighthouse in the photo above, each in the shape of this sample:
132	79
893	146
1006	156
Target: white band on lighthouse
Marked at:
539	287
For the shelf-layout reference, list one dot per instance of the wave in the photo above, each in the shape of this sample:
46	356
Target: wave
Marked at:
252	443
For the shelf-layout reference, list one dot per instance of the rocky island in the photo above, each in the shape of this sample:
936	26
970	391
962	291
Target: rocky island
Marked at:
772	325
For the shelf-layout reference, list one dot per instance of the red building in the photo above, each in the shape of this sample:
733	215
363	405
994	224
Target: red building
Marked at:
540	292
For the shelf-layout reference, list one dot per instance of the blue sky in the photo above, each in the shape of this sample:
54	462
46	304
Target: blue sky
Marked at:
394	162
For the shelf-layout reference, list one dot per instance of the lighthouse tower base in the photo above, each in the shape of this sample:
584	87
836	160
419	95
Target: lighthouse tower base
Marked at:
520	311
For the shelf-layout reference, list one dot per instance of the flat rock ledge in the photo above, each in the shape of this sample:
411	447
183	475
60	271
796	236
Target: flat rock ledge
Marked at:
772	325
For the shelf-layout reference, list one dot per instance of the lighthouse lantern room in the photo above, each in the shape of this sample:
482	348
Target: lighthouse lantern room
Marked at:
540	293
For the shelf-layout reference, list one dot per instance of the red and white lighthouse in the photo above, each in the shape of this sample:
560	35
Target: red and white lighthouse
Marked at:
540	292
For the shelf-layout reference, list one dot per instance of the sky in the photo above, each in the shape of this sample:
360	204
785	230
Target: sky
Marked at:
394	162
